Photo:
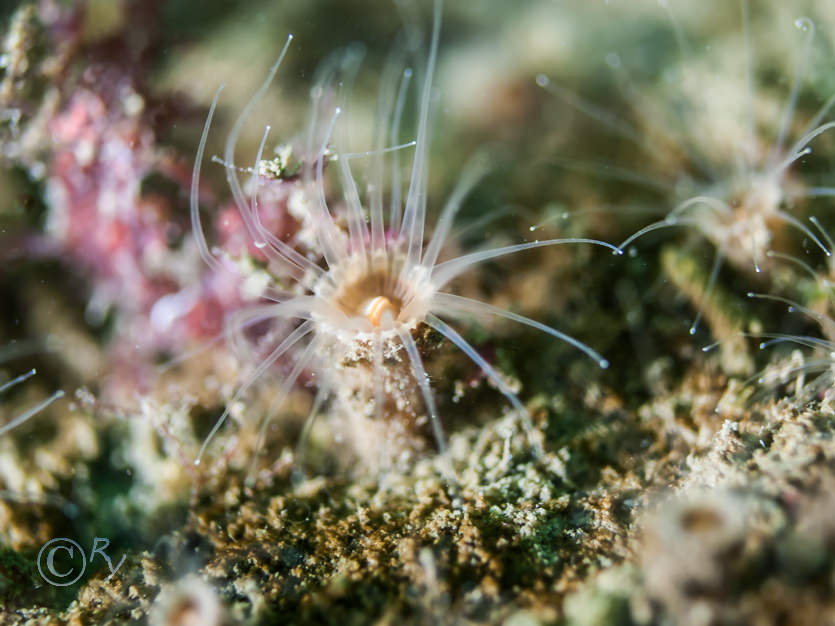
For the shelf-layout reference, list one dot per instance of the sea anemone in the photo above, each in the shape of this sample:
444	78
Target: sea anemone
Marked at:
187	602
704	153
371	285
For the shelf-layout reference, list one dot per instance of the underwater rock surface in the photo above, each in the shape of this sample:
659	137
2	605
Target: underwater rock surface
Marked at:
681	485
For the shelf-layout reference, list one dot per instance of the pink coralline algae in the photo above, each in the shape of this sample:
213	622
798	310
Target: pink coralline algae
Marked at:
116	214
131	244
118	236
76	114
97	212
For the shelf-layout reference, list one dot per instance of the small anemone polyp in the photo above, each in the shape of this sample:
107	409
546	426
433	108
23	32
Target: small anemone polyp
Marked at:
373	295
742	228
368	286
726	170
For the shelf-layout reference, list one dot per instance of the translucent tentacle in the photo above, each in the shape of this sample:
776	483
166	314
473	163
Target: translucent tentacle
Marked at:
793	306
806	25
456	305
681	41
787	257
332	246
395	210
803	340
304	437
422	379
491	373
17	380
287	384
790	160
790	219
797	150
480	222
194	202
720	206
750	127
414	215
31	412
268	362
473	172
275	248
667	222
830	244
818	192
615	125
446	271
385	105
615	172
285	253
357	228
711	283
